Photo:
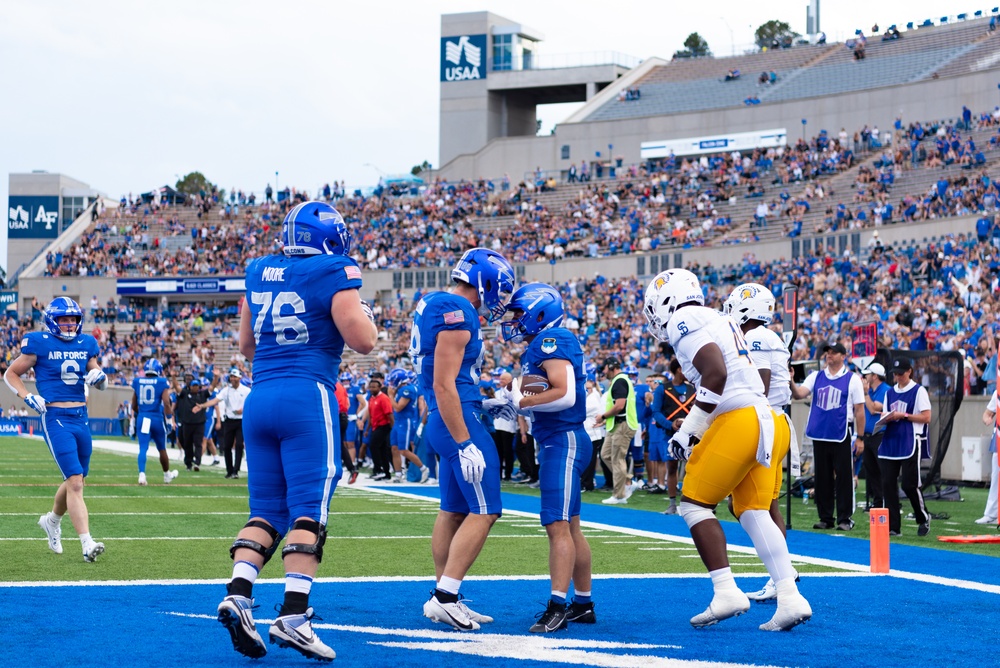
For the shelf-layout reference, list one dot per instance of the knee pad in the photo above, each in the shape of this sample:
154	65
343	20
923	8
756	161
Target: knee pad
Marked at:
316	548
266	552
694	514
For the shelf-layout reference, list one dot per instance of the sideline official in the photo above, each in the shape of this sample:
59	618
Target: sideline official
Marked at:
191	430
232	398
875	391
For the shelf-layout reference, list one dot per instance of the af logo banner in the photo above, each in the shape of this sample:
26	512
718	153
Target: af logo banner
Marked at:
463	58
32	217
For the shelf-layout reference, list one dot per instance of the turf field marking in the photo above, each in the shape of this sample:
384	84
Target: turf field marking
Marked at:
159	514
545	649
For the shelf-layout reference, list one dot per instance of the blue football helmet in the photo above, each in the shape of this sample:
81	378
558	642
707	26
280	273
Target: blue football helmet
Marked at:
631	370
315	228
411	377
590	371
492	276
541	308
396	377
59	307
152	367
347	377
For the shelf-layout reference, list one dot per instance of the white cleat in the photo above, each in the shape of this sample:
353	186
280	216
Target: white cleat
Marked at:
54	533
723	606
768	593
473	615
986	520
168	477
792	611
455	615
615	501
236	614
296	632
92	551
142	479
425	473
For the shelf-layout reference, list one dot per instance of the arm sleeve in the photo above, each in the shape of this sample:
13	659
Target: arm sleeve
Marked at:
568	400
923	401
856	390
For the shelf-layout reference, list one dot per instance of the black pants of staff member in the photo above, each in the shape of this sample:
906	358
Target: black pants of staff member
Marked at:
834	464
504	441
232	439
345	454
526	456
873	473
587	477
381	450
191	435
910	470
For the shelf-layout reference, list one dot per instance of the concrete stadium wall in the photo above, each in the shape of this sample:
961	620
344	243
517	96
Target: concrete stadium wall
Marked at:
932	99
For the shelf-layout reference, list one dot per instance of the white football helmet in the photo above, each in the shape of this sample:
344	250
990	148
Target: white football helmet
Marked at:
668	290
750	301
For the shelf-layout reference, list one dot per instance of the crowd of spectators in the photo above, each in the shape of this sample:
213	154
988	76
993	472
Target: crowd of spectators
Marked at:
667	202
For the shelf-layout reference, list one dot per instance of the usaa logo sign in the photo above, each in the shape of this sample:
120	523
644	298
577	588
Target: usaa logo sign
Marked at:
463	58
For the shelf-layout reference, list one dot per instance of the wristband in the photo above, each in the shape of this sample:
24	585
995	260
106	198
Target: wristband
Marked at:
696	422
707	396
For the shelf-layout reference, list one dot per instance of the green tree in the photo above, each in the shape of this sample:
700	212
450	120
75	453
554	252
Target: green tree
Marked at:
193	184
420	168
774	32
697	45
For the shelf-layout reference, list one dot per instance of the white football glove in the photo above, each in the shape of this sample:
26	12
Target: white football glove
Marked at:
35	403
368	310
516	396
96	378
681	445
473	464
420	430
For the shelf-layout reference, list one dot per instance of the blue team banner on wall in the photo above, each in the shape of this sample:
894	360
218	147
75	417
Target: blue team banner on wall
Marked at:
32	217
463	58
10	427
182	286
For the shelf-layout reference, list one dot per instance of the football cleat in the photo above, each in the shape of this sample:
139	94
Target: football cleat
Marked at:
767	593
581	613
791	612
142	479
296	632
92	551
454	615
236	614
425	473
730	603
473	615
168	476
54	533
553	618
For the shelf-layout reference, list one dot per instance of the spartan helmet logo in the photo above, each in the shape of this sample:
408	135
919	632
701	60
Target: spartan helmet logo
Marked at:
661	281
747	292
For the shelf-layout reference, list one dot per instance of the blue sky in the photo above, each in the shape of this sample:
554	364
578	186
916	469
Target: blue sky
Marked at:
127	95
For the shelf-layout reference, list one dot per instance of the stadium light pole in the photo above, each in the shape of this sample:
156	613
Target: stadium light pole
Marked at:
732	40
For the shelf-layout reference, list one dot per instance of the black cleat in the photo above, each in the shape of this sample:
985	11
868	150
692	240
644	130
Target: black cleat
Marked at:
581	613
554	618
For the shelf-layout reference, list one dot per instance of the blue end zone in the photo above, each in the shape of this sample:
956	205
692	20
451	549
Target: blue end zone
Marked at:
858	620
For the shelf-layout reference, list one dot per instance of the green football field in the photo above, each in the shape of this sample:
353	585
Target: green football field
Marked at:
183	530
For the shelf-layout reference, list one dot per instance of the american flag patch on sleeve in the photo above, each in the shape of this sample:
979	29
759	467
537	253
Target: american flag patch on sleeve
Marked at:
352	273
454	317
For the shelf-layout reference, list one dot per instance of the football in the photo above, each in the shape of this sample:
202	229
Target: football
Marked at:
533	383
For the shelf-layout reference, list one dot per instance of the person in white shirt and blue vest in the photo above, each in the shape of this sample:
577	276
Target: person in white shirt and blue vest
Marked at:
906	413
836	424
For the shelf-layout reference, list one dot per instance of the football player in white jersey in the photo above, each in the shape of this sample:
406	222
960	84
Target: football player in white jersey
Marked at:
727	439
751	305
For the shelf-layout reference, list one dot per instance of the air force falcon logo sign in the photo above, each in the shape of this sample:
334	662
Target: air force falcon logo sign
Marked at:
463	58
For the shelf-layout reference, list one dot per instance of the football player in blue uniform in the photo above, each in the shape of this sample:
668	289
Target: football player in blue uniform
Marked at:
401	387
564	448
356	403
300	309
64	359
149	403
446	344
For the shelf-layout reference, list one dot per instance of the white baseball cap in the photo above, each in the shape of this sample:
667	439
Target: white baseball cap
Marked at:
876	369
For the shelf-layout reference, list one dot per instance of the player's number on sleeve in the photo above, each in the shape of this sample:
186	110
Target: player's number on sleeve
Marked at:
288	329
415	346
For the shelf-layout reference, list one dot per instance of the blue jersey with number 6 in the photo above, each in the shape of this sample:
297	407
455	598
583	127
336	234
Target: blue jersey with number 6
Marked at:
438	312
289	300
60	365
149	392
